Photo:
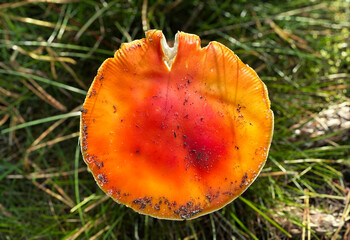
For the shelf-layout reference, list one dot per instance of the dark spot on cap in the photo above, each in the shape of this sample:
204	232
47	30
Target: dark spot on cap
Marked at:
186	100
143	202
114	109
244	179
227	193
239	108
99	164
142	205
208	197
212	196
188	211
102	178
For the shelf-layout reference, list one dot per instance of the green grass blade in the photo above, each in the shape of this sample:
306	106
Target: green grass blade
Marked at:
76	185
93	18
40	121
236	219
44	80
250	204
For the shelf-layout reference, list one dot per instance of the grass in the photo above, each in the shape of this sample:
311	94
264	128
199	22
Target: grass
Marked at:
50	52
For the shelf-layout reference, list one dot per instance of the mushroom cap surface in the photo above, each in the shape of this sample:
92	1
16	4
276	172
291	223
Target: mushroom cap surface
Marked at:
176	133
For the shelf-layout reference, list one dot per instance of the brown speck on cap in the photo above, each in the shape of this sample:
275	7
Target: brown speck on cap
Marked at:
244	179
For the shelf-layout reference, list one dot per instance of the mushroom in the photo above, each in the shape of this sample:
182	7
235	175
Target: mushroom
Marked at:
175	132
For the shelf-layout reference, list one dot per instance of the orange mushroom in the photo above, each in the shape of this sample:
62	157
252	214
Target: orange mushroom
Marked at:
175	133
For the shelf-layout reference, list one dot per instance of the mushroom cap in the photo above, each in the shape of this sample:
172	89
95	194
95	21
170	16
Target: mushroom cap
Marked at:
175	133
